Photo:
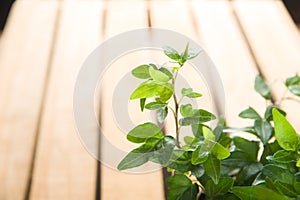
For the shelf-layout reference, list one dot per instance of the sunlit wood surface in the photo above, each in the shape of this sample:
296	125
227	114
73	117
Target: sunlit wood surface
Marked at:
44	45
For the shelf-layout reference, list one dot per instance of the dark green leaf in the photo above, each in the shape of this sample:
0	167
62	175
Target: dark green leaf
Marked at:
250	113
165	149
141	72
250	148
199	116
142	104
166	72
197	170
275	172
162	114
269	149
264	130
248	173
200	155
171	53
150	89
181	161
213	190
181	188
269	115
259	192
158	75
137	157
197	130
144	131
284	156
212	168
284	132
237	159
262	88
285	189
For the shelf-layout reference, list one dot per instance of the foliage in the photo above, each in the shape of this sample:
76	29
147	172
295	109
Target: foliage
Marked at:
211	164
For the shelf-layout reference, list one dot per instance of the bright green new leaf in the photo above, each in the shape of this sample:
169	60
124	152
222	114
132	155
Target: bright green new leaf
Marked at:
219	151
141	72
150	89
186	110
171	53
166	72
264	130
262	88
158	75
250	113
212	168
213	190
298	163
208	134
185	54
181	188
284	132
137	157
144	131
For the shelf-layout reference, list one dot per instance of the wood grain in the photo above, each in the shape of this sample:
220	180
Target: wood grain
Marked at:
24	57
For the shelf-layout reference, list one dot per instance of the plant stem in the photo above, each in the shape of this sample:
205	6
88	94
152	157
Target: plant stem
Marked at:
176	112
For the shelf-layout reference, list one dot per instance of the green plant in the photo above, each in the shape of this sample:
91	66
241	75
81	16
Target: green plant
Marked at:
212	164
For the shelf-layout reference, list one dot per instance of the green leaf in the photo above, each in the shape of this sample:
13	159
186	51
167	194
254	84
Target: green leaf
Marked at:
262	88
219	151
154	105
212	168
186	110
201	153
275	172
250	148
150	89
237	159
285	189
295	89
213	190
284	156
142	103
141	72
165	149
259	192
181	188
264	130
185	53
166	72
248	173
189	93
144	131
161	114
188	140
137	157
293	84
199	116
250	113
284	132
158	75
193	53
298	163
269	115
180	161
208	134
269	149
197	130
171	53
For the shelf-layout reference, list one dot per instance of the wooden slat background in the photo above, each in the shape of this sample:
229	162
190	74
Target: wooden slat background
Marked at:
45	43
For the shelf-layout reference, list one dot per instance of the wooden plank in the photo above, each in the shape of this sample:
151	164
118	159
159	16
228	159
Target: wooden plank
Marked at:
124	16
24	58
275	41
63	168
224	42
